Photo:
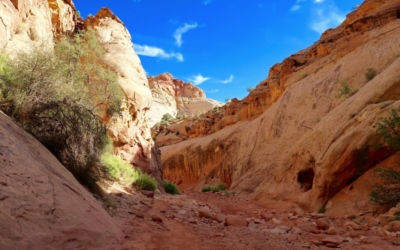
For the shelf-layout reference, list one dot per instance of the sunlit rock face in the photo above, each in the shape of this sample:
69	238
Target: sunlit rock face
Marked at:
130	131
176	97
292	138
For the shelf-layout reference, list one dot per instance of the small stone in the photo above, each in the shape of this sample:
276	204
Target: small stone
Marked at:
332	231
276	221
149	194
323	223
280	230
352	225
267	216
118	194
155	218
384	219
398	206
204	212
333	241
235	221
258	221
316	243
138	214
393	226
393	211
3	183
193	221
219	217
296	231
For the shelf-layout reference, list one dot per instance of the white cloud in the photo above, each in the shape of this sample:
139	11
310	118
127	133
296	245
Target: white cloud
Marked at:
198	79
325	18
295	7
206	2
230	79
151	51
319	1
182	30
213	91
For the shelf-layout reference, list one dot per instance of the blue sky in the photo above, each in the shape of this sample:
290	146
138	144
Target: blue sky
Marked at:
223	46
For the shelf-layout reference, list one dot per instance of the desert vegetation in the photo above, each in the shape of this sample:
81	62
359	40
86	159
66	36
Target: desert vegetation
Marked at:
386	192
220	187
61	95
171	188
345	90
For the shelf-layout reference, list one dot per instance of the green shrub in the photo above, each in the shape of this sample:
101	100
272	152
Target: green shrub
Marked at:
345	90
321	209
145	182
119	169
206	189
250	89
387	192
170	188
167	117
214	189
60	96
370	74
221	187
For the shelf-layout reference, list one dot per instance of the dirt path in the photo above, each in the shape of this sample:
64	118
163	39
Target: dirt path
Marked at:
172	223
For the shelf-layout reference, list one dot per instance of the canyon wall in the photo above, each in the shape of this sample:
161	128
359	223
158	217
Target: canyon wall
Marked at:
176	97
293	138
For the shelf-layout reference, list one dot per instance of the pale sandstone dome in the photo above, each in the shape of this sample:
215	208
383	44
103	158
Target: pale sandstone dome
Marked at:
292	138
177	98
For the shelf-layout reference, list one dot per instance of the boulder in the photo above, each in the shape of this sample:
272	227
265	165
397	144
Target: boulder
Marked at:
235	221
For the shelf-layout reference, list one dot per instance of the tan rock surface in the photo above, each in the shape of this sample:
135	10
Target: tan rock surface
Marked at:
130	131
177	98
308	144
42	206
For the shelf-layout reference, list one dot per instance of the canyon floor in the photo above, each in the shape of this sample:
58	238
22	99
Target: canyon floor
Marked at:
183	222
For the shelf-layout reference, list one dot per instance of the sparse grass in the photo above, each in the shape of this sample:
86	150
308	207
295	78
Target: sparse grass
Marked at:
220	187
170	188
206	189
370	74
321	209
346	90
303	75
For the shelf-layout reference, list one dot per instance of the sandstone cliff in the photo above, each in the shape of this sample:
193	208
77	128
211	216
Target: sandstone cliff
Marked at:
177	98
130	131
292	138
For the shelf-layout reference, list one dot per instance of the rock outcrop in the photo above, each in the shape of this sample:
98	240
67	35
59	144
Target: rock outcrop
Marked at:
42	206
292	138
177	98
130	131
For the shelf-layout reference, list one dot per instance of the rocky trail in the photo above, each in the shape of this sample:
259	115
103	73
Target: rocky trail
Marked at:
212	221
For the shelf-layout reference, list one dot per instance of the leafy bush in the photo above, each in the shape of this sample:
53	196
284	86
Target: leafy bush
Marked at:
206	189
215	189
387	193
321	209
345	90
119	169
61	95
145	182
250	89
167	117
221	187
170	188
370	74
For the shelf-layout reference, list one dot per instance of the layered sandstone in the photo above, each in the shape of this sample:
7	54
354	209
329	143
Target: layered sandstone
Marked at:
302	143
42	206
177	98
130	131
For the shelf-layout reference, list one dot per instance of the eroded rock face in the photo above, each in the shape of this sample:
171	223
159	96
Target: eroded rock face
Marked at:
42	206
24	23
177	98
130	131
307	144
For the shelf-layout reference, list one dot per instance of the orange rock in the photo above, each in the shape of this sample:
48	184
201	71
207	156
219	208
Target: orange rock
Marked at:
235	221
